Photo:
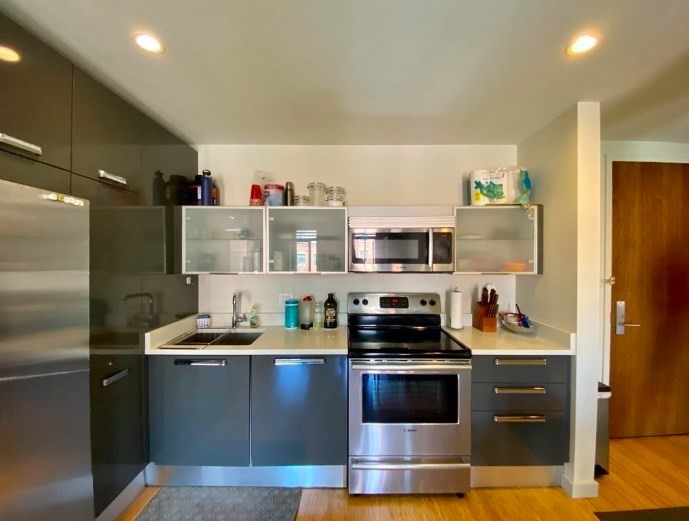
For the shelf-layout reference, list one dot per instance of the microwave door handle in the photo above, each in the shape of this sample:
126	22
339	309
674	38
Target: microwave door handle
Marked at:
430	249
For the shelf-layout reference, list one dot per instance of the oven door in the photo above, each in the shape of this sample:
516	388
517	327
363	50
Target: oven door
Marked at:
409	407
390	250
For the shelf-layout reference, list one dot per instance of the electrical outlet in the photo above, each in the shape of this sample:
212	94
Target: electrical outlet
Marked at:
282	297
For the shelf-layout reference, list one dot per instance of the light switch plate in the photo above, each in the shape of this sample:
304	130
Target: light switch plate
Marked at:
282	297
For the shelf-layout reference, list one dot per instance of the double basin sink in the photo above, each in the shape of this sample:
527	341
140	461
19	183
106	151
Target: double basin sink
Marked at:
201	339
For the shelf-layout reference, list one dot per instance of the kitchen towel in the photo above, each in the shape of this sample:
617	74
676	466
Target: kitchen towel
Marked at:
456	309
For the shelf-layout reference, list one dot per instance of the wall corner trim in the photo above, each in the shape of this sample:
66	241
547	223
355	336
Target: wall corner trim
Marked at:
579	489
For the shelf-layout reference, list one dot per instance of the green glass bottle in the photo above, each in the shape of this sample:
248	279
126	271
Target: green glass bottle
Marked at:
330	312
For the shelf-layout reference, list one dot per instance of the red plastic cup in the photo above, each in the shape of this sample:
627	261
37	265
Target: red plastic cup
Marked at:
256	197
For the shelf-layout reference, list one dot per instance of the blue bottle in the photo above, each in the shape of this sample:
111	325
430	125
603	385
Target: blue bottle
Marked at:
206	188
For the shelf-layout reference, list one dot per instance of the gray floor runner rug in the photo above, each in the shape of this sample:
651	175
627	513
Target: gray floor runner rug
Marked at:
661	514
223	504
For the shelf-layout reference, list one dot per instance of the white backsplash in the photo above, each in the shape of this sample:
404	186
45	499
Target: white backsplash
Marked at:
215	291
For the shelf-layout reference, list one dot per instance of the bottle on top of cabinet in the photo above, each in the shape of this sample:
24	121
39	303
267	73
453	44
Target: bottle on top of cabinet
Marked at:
330	312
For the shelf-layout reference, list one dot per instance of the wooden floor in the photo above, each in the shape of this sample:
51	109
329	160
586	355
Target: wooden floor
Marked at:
646	473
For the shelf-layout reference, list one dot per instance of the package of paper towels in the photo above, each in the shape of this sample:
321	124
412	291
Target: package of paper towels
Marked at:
501	185
455	309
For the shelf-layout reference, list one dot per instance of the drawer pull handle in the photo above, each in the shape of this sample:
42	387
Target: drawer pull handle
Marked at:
299	361
202	362
409	466
112	177
114	378
519	418
521	361
20	144
519	390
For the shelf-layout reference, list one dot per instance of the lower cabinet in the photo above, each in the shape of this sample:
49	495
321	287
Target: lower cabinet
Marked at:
199	410
298	410
520	410
118	445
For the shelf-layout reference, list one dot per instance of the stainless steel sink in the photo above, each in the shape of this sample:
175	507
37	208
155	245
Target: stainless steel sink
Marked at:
203	339
237	338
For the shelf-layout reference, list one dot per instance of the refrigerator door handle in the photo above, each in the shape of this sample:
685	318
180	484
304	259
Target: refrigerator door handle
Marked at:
115	377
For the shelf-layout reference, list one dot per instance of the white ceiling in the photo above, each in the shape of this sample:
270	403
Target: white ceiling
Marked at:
381	71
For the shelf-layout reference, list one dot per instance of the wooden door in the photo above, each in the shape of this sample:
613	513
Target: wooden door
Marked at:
649	365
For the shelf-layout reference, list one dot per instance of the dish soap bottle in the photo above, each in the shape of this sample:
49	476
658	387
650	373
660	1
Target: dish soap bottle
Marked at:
318	315
330	309
253	319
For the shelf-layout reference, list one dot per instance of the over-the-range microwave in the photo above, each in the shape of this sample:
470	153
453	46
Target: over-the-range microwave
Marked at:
406	249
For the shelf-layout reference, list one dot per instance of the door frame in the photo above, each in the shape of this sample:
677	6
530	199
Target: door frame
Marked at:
625	151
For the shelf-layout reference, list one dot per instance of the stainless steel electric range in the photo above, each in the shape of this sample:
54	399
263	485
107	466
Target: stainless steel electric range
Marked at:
409	397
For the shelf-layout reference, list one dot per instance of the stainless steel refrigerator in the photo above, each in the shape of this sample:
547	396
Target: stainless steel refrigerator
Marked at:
45	453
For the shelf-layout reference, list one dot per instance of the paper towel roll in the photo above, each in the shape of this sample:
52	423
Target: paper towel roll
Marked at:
456	309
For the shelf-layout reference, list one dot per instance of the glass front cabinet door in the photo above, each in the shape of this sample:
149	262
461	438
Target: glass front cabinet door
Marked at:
307	240
499	239
222	239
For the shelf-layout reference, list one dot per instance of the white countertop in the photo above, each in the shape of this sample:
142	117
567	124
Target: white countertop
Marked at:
504	342
274	340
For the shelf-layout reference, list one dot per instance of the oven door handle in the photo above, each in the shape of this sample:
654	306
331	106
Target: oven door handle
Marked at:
409	466
411	368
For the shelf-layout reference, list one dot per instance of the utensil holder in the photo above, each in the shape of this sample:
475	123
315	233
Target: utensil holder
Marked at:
481	320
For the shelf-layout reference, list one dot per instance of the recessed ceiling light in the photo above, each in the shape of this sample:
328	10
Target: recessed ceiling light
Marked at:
7	54
582	44
148	43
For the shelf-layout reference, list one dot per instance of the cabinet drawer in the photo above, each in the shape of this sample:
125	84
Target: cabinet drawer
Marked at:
504	438
518	397
520	369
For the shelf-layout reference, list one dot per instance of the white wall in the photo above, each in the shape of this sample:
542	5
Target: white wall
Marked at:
372	175
550	155
566	153
215	291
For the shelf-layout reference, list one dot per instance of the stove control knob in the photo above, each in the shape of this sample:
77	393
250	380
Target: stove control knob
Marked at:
431	302
355	301
423	302
365	302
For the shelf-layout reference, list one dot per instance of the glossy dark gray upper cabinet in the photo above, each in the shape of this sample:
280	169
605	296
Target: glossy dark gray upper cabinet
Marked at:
106	135
32	173
36	106
165	153
298	410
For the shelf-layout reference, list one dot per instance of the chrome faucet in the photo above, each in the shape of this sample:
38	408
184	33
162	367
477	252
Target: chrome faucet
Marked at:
236	317
148	319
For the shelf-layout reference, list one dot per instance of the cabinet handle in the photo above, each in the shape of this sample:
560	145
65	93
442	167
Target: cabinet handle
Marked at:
409	466
519	418
299	361
521	361
519	390
112	177
202	362
20	144
114	378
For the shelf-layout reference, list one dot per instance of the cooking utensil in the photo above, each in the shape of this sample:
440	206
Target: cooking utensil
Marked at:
484	296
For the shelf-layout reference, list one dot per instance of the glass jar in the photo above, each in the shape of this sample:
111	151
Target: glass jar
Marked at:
317	193
302	200
318	315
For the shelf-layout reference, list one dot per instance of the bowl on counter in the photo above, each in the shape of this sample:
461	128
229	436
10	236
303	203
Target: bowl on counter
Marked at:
511	322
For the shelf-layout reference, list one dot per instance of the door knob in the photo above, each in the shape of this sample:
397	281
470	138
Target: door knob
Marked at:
620	322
